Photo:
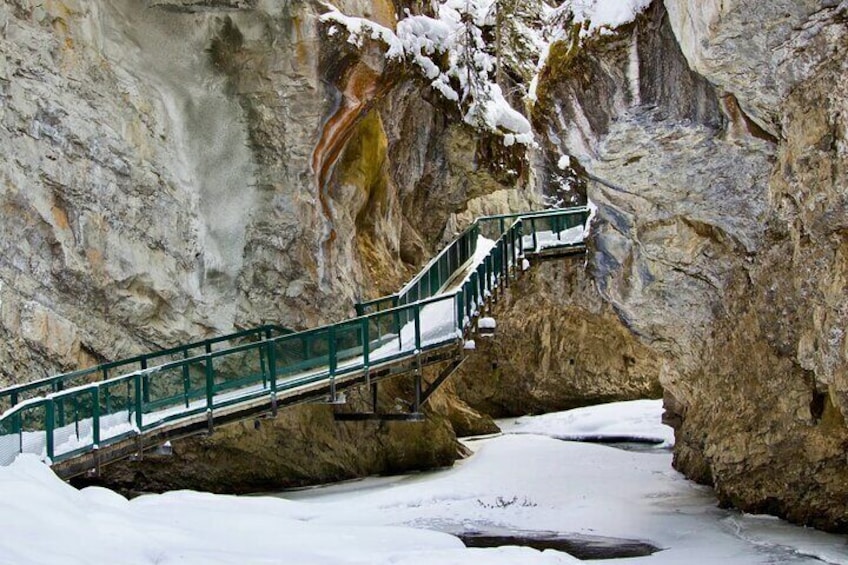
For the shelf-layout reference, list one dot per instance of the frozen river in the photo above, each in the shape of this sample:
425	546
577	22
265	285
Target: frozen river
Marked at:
524	481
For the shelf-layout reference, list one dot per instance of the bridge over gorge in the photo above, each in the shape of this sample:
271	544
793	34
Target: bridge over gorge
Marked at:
78	421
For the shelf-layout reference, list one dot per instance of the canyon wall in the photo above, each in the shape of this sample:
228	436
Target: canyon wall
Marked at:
717	131
558	345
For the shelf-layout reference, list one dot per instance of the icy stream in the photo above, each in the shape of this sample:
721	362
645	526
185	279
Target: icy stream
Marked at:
522	484
523	481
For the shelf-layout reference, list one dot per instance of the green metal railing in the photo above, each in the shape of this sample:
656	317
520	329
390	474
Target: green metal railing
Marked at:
34	389
76	416
441	269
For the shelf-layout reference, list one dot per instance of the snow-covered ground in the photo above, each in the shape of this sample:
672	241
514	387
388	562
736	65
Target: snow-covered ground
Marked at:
638	420
521	481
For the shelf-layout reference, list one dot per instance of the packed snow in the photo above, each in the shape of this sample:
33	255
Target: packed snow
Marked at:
486	323
558	486
637	420
594	17
603	15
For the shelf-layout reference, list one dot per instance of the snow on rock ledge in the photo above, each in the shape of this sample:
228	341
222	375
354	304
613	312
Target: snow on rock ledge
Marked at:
428	42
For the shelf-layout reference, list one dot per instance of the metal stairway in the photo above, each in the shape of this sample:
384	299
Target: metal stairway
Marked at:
78	421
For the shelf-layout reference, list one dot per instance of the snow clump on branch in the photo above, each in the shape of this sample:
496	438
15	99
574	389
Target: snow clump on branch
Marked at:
456	40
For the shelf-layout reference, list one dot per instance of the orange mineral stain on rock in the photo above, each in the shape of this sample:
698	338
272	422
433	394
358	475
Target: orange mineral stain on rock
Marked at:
60	218
360	90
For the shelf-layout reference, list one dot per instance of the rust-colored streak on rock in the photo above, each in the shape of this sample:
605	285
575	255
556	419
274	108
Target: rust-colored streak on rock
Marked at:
361	88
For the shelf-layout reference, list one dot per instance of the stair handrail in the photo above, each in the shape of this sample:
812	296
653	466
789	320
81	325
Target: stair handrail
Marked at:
466	242
15	393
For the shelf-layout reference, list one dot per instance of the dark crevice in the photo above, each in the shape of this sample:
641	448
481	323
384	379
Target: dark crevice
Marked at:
581	546
817	404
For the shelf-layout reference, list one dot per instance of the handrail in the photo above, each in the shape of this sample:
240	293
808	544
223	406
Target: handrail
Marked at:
16	393
78	419
466	241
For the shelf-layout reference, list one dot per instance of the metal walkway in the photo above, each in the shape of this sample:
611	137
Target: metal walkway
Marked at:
78	421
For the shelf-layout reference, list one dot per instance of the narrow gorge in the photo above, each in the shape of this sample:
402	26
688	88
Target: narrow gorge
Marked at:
179	169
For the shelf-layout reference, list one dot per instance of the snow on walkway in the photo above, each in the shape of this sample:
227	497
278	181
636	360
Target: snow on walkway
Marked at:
515	481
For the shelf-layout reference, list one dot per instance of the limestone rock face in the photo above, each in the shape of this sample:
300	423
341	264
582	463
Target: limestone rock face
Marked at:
757	51
133	176
557	346
718	130
179	169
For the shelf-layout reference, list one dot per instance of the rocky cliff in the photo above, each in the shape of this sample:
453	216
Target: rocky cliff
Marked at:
557	346
718	130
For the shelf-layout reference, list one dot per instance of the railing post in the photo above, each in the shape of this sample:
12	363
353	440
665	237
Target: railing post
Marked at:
416	310
272	364
490	274
210	383
49	424
366	342
108	398
535	238
396	318
520	226
95	417
145	381
60	410
262	366
331	336
139	420
517	250
186	380
145	388
472	286
505	259
76	415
